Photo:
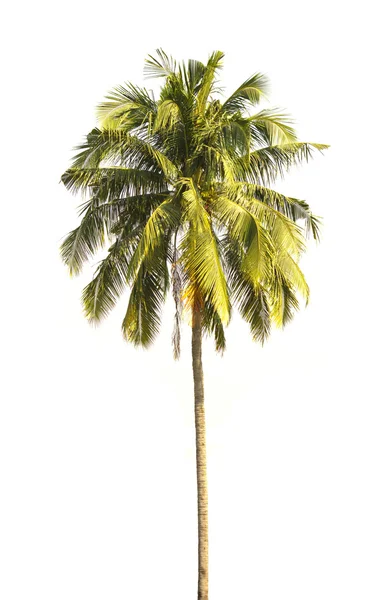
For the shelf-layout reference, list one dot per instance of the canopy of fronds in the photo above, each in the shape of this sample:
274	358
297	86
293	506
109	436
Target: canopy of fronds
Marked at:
179	190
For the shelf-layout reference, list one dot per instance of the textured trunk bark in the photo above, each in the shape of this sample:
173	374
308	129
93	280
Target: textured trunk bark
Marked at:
201	457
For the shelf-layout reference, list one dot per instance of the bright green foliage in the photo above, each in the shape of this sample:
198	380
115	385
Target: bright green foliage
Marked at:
179	189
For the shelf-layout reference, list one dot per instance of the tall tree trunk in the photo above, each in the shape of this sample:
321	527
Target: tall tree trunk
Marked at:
201	456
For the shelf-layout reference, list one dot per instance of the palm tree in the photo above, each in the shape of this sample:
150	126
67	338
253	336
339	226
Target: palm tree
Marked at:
180	190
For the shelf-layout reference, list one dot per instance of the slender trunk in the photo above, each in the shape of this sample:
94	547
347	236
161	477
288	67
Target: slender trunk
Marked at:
201	457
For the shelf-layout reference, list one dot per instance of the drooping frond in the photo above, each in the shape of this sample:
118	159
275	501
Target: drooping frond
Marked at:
312	223
162	223
213	326
177	292
247	230
84	241
292	272
294	209
100	221
250	297
101	294
284	232
283	300
200	255
143	316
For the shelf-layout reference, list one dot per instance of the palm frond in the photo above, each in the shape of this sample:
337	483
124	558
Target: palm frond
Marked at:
161	224
250	298
143	316
177	292
236	137
163	66
168	115
128	107
246	229
121	148
115	181
200	255
84	241
283	231
207	81
312	223
270	162
283	300
249	93
271	128
101	294
294	209
213	326
292	272
193	74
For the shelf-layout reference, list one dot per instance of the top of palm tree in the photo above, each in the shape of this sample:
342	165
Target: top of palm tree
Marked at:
179	188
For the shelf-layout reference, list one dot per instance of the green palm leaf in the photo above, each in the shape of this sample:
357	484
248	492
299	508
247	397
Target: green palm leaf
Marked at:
84	241
161	224
101	294
128	107
250	297
271	128
283	300
255	242
285	233
270	162
249	93
200	255
193	73
142	319
115	181
163	66
213	326
120	148
207	81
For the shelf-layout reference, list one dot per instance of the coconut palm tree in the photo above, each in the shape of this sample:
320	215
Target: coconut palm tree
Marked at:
179	189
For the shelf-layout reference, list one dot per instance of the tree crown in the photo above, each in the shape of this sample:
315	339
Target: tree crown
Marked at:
180	190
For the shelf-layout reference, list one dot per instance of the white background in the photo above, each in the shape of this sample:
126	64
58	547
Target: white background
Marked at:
98	496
